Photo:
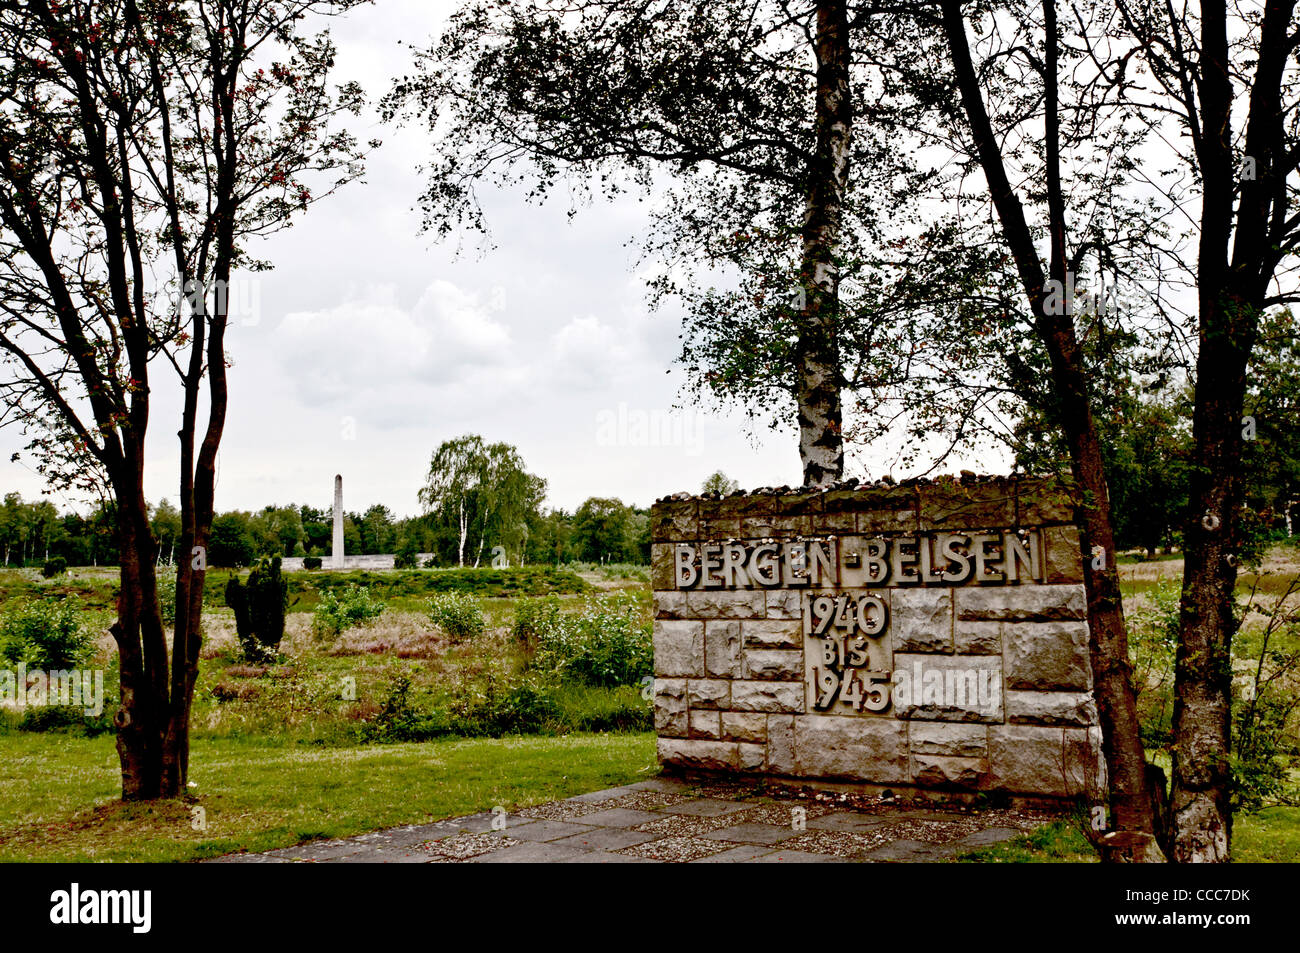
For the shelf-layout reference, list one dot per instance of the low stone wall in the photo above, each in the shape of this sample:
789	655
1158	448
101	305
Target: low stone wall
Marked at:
375	561
928	634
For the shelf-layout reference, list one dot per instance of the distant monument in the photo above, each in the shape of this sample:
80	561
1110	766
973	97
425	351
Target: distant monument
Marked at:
337	562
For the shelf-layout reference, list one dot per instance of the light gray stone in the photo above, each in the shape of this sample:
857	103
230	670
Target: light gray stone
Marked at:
931	770
873	749
670	707
744	726
1022	603
780	744
704	755
706	724
751	757
1035	759
921	620
722	649
1051	708
784	604
708	693
671	604
1047	655
948	740
679	648
767	696
964	688
773	633
727	603
773	664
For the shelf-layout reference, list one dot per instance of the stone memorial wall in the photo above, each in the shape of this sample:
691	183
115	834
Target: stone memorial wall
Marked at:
929	634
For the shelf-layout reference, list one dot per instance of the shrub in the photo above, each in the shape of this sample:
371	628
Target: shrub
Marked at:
407	555
458	614
608	642
259	607
311	562
534	616
54	566
344	609
45	634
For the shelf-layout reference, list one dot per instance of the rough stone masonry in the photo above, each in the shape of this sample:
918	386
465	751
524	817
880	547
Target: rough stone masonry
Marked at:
926	634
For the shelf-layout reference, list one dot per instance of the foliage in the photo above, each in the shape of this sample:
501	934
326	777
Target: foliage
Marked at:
54	566
343	609
458	614
607	642
720	484
311	562
167	595
259	605
532	618
47	634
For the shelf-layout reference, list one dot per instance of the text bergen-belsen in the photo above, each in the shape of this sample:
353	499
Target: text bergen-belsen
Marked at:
921	559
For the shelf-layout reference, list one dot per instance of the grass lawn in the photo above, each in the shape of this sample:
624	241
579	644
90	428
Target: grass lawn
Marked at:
1269	836
57	795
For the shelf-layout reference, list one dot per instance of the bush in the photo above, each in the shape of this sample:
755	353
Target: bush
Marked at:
608	642
45	634
259	607
533	617
54	566
311	562
341	610
407	555
458	614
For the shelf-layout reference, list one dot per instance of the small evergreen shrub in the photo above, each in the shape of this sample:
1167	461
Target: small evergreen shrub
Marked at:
311	562
260	606
54	566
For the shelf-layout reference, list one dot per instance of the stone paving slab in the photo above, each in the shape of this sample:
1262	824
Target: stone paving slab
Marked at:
671	820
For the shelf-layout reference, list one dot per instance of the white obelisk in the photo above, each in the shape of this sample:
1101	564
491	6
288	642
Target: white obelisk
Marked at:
337	561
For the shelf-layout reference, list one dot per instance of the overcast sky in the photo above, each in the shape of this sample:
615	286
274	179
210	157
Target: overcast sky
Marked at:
370	343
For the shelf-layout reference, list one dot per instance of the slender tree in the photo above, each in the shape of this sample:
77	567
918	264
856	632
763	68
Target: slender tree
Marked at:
143	144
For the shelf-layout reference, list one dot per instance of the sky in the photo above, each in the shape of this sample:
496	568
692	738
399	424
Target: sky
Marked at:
370	343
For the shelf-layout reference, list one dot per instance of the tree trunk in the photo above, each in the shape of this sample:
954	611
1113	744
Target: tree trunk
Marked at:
1107	636
818	373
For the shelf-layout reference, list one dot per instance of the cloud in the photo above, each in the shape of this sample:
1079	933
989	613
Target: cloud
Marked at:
370	342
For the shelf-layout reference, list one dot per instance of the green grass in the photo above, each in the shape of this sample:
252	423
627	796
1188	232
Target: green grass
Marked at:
1269	836
58	795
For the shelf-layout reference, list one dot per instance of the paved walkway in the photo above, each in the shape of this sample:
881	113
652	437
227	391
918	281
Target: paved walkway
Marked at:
668	820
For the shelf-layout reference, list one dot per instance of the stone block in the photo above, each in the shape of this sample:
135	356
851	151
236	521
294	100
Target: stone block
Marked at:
1022	604
1047	656
963	688
699	754
671	520
966	506
1034	759
780	744
767	696
873	749
887	510
1062	562
708	693
670	707
1051	708
772	633
744	726
722	647
940	771
671	604
661	566
921	620
784	604
976	638
679	648
726	604
1044	502
773	664
706	724
948	740
751	757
